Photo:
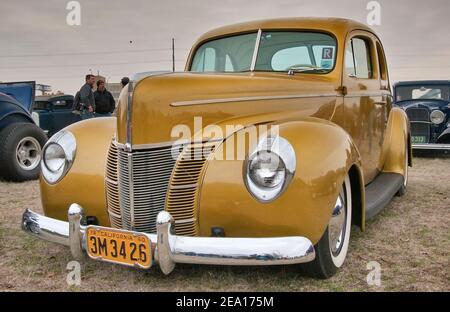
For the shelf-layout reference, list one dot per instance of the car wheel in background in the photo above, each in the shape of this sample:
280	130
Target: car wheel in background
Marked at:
21	151
332	248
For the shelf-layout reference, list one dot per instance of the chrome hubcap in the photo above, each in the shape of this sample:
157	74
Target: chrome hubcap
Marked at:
28	153
337	225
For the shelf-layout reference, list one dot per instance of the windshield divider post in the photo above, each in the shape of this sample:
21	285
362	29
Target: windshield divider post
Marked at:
255	51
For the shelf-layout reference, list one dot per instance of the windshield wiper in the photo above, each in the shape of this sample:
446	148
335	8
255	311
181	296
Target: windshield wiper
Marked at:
303	68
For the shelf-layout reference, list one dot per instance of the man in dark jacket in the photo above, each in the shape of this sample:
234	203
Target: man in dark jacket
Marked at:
86	98
104	101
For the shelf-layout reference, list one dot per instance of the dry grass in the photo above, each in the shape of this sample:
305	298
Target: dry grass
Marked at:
410	239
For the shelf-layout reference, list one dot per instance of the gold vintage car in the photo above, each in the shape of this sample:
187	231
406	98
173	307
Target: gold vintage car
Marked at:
178	177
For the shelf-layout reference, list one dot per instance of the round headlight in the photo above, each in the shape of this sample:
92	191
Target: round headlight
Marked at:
437	117
58	156
54	157
267	169
270	169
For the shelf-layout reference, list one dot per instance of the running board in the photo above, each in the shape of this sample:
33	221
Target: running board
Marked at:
380	192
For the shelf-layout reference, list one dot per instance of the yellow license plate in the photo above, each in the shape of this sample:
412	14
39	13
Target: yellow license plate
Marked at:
118	246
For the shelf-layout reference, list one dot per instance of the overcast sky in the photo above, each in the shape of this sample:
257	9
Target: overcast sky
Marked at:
119	38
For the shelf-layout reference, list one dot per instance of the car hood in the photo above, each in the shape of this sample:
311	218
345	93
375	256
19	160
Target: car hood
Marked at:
22	92
163	103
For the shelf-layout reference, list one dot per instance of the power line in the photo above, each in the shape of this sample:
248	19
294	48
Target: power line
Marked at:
86	53
86	65
437	66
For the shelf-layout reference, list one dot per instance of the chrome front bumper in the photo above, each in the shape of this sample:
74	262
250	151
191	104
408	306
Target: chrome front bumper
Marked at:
431	147
170	249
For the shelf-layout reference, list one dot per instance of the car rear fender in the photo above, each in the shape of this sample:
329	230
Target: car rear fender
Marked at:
397	140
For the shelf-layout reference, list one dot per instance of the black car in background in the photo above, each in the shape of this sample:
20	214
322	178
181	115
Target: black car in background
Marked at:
53	113
427	104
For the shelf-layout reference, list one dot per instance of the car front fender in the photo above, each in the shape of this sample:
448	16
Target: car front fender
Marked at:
444	138
325	153
85	182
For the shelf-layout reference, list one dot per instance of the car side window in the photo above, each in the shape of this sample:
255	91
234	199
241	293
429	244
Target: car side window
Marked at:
357	59
41	105
62	104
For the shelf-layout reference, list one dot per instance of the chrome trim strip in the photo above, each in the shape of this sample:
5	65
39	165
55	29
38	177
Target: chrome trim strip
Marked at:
418	121
182	187
185	221
111	181
431	146
255	50
165	144
129	115
171	249
114	214
251	98
131	189
370	94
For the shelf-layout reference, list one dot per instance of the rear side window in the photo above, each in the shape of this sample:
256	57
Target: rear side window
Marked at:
357	59
62	104
41	105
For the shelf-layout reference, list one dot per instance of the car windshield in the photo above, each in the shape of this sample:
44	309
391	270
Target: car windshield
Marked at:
231	54
297	51
422	92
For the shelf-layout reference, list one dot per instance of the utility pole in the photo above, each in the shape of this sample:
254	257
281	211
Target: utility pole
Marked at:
173	54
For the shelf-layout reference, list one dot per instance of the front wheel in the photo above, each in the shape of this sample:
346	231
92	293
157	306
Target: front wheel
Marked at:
21	151
332	248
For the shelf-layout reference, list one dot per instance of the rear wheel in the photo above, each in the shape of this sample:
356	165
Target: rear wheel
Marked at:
332	248
21	151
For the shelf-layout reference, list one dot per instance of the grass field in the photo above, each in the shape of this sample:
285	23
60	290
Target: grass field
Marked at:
410	239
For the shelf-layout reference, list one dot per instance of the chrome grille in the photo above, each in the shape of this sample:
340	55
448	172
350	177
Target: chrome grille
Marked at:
141	183
418	114
136	186
112	189
183	194
421	129
420	122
